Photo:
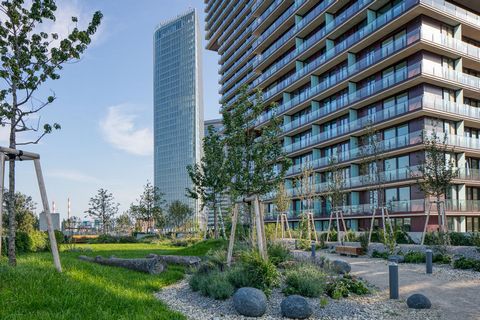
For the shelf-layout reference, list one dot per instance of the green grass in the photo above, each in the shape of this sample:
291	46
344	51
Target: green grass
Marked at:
34	290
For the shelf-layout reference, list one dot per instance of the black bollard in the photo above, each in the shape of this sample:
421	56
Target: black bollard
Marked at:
429	256
313	249
296	244
393	280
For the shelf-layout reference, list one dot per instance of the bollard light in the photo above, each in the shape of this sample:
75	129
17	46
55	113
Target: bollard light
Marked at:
313	249
429	258
393	280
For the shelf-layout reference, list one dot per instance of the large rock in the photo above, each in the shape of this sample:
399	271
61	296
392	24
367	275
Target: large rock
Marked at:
418	301
396	258
296	307
250	302
340	266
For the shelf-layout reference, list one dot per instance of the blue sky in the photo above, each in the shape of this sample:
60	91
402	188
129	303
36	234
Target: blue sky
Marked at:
104	105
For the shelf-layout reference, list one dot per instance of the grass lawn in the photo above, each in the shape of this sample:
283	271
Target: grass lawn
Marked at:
34	290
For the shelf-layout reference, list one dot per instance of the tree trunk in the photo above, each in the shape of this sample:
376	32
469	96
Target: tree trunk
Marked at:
189	261
12	223
151	266
215	220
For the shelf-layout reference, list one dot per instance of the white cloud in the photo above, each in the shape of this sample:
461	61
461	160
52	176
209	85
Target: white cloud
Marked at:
72	175
4	134
119	129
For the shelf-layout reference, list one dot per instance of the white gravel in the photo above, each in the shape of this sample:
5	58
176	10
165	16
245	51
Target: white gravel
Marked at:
179	297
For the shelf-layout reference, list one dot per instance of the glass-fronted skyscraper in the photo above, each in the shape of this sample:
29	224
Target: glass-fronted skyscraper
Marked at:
178	106
338	69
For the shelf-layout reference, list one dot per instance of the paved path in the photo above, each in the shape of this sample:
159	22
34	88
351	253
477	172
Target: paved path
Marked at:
457	295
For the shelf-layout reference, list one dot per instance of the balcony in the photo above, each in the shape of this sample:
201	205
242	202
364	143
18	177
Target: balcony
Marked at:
456	11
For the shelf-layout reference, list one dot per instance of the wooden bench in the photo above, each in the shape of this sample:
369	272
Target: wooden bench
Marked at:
349	251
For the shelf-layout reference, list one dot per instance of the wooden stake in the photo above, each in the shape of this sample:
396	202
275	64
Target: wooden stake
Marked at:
288	226
232	234
258	226
427	218
2	178
371	225
46	209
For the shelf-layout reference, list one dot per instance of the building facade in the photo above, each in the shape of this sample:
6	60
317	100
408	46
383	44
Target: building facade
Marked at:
339	69
178	106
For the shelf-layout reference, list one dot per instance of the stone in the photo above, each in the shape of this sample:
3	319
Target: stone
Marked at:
418	301
296	307
396	258
340	266
250	302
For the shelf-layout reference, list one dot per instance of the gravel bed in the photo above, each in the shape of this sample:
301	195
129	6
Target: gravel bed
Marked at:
179	297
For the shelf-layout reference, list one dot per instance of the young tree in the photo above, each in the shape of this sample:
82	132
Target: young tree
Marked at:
178	213
210	177
436	174
282	199
103	207
149	206
305	187
29	58
124	223
335	192
256	162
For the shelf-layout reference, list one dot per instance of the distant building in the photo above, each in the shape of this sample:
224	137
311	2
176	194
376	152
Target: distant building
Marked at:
43	221
216	123
178	106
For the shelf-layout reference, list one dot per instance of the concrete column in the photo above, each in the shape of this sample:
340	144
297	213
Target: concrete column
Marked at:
286	96
352	87
299	65
352	58
462	225
316	154
328	18
460	127
354	170
287	119
298	19
288	183
457	32
287	141
315	129
298	42
458	65
355	198
371	15
315	105
313	80
353	142
352	114
329	44
459	96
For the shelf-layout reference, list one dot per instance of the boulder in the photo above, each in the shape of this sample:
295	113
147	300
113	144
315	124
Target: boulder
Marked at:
250	302
418	301
396	258
340	266
296	307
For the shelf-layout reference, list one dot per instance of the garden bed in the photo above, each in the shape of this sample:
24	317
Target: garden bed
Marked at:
193	305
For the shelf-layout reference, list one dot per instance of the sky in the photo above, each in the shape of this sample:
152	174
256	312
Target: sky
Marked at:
105	105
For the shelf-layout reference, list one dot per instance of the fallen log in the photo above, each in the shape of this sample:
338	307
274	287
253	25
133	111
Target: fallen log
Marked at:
189	261
148	265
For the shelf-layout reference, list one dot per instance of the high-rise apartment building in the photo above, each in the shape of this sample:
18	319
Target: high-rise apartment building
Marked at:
178	106
340	69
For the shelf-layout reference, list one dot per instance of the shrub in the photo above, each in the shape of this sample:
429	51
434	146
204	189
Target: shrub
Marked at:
127	239
415	257
214	284
278	253
363	238
33	241
254	271
342	287
402	237
460	239
433	239
217	258
466	263
441	258
307	281
381	255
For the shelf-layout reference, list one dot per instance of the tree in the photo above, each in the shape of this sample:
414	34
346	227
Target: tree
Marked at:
124	223
282	199
335	193
149	206
210	177
256	162
103	207
29	58
178	213
436	174
25	218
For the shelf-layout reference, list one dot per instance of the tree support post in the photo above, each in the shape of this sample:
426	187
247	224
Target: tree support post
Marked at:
232	235
46	209
2	191
259	226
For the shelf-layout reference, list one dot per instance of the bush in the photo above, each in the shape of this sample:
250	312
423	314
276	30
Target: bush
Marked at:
434	239
460	239
415	257
363	238
381	255
342	287
278	253
254	271
185	242
307	281
441	258
214	284
33	241
217	258
467	263
402	237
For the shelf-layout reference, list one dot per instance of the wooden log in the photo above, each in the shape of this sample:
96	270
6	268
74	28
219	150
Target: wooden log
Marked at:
189	261
151	266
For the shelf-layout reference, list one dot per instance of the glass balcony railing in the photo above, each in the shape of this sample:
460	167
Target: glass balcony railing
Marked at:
283	17
234	77
462	78
434	102
450	8
469	174
241	16
368	61
218	21
266	13
452	43
233	67
462	205
352	10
